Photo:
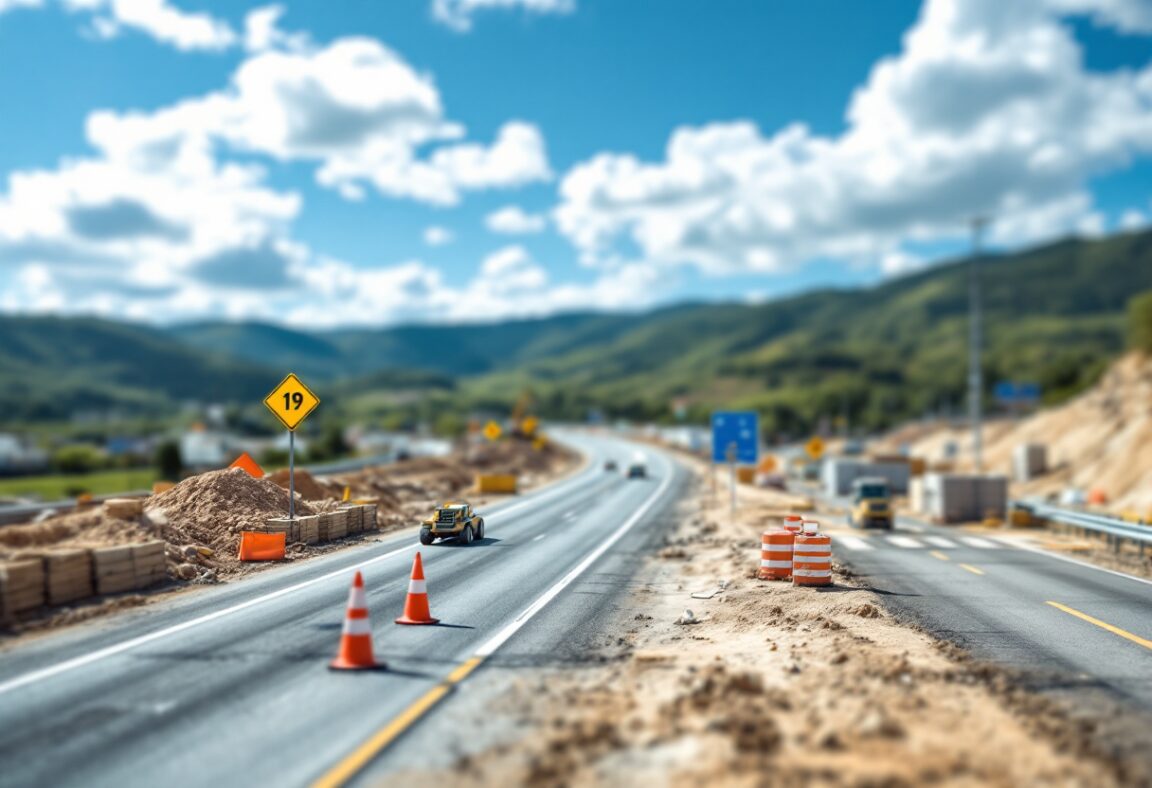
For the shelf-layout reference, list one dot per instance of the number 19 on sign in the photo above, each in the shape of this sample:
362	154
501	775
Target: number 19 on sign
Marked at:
291	402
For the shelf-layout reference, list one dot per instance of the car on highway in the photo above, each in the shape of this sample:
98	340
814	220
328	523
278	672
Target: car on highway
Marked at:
871	504
610	465
454	519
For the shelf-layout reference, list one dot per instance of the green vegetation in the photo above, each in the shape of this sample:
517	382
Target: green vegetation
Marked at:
1140	322
1056	315
57	487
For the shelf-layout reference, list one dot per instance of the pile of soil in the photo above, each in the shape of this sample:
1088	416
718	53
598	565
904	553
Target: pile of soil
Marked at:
212	508
1101	440
90	528
307	486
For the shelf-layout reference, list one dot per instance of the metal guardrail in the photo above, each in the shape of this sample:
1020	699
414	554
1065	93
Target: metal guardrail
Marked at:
1109	526
23	513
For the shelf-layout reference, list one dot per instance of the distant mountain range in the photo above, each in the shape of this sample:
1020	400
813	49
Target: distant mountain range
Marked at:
1055	315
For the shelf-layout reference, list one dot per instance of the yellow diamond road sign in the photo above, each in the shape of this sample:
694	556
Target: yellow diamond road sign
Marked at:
492	431
291	401
815	448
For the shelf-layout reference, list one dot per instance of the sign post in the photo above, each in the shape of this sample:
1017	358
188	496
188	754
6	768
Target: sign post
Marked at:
735	439
291	402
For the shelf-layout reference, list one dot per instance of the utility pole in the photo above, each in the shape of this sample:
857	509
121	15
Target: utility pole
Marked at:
975	346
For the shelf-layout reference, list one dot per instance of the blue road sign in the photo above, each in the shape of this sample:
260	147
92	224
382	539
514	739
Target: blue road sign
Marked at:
1011	393
736	428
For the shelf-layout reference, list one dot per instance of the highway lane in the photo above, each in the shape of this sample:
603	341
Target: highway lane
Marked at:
194	691
1066	624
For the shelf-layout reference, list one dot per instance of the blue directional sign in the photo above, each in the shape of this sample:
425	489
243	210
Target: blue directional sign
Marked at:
739	429
1011	393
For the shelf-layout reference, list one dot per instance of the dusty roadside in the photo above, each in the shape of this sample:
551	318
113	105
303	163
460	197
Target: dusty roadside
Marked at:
200	521
773	685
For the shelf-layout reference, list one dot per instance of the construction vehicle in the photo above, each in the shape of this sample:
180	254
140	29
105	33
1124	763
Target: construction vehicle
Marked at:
454	519
638	468
871	504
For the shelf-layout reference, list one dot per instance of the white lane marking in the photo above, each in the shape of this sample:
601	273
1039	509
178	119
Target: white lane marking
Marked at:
538	538
853	542
913	528
976	541
1085	564
939	541
128	645
904	541
488	648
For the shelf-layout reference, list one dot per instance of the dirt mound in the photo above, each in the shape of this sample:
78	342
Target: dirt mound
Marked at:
212	508
88	528
307	485
1101	440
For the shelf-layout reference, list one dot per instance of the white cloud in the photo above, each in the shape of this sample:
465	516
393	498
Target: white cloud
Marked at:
988	110
1133	220
262	31
159	19
458	14
514	220
438	236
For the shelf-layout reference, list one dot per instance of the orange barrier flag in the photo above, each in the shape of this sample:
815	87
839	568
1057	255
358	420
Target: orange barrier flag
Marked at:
255	546
250	465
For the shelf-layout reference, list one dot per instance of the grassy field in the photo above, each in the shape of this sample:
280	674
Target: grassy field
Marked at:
56	487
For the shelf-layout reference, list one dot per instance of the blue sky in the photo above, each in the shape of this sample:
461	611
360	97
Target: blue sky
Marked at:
654	152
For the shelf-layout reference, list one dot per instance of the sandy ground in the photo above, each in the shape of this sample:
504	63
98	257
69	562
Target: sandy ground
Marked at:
775	685
1101	440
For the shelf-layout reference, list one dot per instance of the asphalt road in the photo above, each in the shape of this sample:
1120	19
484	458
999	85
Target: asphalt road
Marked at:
1069	626
229	685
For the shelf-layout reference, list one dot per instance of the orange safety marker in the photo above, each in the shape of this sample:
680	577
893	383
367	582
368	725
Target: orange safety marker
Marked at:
255	546
812	557
416	605
792	522
356	638
776	554
245	462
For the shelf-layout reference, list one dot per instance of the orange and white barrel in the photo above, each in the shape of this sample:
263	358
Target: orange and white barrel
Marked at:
776	554
812	557
793	523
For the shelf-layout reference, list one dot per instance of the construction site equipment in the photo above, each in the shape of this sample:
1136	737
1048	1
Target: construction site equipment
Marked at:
840	473
955	498
455	519
356	637
871	503
495	483
776	554
812	557
256	546
416	604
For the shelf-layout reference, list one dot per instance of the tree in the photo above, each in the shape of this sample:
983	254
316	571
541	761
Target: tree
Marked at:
1140	322
77	459
169	463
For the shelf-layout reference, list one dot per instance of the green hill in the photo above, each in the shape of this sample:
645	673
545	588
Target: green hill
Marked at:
1054	315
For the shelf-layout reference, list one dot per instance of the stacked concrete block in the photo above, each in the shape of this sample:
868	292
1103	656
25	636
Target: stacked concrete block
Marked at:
371	523
355	518
1029	460
113	569
333	525
282	525
839	474
21	586
149	563
955	498
309	529
68	575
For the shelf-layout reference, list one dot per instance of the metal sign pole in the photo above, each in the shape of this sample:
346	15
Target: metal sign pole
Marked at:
291	474
732	451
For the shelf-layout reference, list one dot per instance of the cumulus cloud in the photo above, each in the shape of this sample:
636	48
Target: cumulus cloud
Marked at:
159	19
458	14
514	220
987	110
438	236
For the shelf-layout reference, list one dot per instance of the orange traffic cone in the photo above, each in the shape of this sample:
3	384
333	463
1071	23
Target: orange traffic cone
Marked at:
416	605
356	640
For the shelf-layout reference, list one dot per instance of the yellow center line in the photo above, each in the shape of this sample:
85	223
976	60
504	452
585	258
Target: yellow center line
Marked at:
970	568
356	760
940	555
1114	630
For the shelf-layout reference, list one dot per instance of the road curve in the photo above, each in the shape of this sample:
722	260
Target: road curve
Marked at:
229	686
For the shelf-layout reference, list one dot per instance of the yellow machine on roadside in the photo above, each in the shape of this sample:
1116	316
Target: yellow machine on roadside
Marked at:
453	519
871	504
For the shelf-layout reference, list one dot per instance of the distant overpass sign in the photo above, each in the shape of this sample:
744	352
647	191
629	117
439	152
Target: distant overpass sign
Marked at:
736	437
1009	393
